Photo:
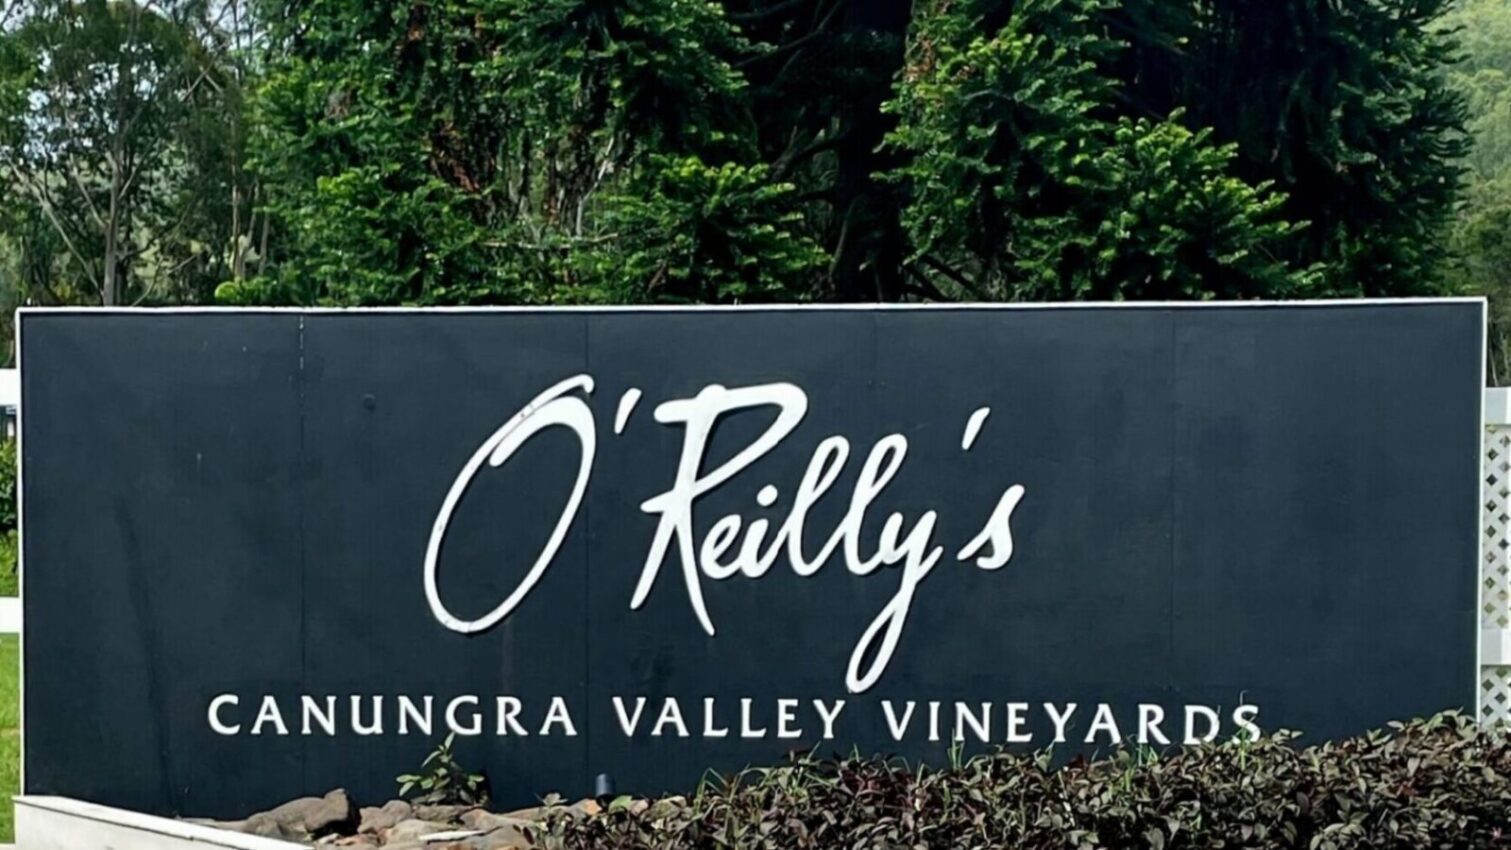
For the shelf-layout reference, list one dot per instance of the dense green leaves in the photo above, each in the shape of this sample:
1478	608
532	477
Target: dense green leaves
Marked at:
441	781
478	152
1433	783
1482	233
685	231
534	151
1026	185
1343	106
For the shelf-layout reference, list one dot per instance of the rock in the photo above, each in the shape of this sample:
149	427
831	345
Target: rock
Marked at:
549	808
334	813
374	819
305	818
267	825
412	830
484	821
503	839
441	814
358	841
502	831
534	814
587	806
506	838
510	837
451	836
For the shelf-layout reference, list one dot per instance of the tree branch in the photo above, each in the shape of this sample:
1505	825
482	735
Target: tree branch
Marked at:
44	201
924	287
769	12
795	44
965	283
78	180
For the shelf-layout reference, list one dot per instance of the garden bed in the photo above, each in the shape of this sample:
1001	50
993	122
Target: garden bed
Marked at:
1438	782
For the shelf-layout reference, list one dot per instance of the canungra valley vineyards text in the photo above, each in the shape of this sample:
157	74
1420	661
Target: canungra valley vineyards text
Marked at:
813	720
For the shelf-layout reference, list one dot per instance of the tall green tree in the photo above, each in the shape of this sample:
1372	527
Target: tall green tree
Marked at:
1026	183
818	78
1482	232
509	151
481	151
1343	106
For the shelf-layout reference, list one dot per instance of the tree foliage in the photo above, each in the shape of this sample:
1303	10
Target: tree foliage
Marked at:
118	142
510	151
685	231
1026	183
1482	232
1343	106
494	151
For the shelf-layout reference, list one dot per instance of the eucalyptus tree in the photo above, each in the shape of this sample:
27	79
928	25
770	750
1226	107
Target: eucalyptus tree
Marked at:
116	136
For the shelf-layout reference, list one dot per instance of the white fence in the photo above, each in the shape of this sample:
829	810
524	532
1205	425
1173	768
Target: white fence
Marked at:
1495	561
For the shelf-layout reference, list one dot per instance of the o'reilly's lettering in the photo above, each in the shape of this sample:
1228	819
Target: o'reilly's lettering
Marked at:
732	547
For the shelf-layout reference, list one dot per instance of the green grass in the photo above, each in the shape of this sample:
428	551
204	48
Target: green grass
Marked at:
10	731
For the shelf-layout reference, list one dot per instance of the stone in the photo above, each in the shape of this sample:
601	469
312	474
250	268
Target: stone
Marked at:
539	814
305	818
451	835
502	831
357	841
536	814
506	838
267	825
412	830
441	814
495	841
587	806
485	821
374	819
334	813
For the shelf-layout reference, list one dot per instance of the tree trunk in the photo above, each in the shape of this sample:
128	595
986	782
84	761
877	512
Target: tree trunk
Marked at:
868	266
109	290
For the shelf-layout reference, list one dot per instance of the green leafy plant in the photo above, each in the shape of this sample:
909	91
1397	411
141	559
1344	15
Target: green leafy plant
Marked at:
1438	782
441	781
686	231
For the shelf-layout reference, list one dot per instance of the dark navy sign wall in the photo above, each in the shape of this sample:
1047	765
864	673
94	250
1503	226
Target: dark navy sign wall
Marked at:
272	553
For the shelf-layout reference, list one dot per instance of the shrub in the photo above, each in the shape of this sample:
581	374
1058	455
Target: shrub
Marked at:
1429	783
441	781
